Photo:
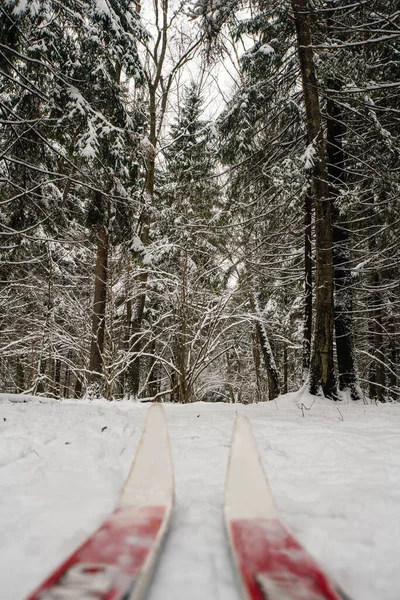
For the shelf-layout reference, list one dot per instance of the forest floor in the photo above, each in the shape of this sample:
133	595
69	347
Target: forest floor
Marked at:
334	470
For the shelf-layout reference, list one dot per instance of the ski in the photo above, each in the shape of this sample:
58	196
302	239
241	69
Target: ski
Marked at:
271	563
116	562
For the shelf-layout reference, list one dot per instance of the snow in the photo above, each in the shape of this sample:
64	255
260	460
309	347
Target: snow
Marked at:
136	244
266	49
308	157
333	469
102	7
20	7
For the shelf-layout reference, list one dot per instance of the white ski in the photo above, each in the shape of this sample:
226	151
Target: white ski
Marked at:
271	563
117	561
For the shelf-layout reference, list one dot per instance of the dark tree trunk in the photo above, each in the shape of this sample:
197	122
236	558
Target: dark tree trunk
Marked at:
99	311
20	376
285	369
257	361
322	377
78	388
67	376
348	378
392	374
57	377
272	373
307	330
377	375
152	385
266	349
40	387
133	372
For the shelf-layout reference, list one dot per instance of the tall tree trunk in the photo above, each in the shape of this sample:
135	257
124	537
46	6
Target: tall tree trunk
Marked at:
99	311
392	374
270	365
377	375
67	375
133	375
285	368
19	376
348	378
152	384
266	349
307	329
78	388
56	377
41	376
322	376
257	361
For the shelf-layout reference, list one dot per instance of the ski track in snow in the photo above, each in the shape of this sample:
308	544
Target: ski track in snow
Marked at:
335	477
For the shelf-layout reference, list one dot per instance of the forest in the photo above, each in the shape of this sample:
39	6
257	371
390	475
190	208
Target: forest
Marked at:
199	199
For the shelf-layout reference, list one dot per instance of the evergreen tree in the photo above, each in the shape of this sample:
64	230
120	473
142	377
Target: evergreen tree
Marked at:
68	139
190	211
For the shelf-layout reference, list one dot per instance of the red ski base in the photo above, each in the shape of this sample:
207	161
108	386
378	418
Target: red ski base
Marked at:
106	565
274	566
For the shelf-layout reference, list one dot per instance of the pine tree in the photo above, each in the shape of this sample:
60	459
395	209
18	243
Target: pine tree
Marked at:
190	207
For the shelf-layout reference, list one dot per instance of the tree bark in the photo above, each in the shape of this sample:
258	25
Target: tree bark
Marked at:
322	376
272	372
343	305
67	375
99	311
152	384
257	361
392	351
20	376
56	377
377	375
307	329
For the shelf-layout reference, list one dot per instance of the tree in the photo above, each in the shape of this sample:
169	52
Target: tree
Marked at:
68	137
162	63
322	375
190	201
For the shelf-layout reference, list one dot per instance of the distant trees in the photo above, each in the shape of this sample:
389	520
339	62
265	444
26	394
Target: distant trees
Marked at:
164	56
67	147
191	207
147	252
337	38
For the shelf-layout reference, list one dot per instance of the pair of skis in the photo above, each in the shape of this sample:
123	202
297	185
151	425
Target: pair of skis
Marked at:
117	561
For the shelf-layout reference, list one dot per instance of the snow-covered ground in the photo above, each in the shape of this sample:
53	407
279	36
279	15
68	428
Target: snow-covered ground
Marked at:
334	470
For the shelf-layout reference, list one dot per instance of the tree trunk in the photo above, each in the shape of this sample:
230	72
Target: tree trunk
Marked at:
99	311
152	384
348	378
285	368
19	376
257	361
78	388
41	374
57	377
322	377
377	376
392	374
307	330
272	372
67	375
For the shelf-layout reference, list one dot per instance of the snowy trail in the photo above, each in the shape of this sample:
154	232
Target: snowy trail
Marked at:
335	477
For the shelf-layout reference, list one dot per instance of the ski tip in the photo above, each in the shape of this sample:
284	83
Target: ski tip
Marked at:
247	492
151	479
